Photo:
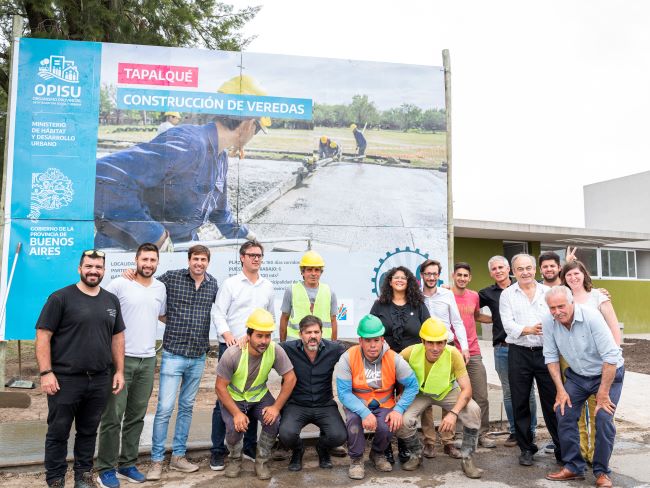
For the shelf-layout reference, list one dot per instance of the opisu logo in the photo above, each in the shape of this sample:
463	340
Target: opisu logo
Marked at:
157	74
60	68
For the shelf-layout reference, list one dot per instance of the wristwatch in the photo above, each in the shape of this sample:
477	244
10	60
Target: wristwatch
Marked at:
47	371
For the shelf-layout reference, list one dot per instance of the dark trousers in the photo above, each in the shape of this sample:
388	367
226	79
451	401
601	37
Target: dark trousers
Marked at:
81	399
219	428
579	388
328	419
526	364
254	413
357	437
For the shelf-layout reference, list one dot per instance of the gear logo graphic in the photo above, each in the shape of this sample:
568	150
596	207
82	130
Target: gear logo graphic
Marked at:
51	190
407	257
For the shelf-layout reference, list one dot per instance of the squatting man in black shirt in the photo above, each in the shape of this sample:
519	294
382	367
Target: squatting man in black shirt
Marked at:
79	338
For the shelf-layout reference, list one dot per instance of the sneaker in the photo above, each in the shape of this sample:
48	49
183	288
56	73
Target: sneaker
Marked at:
107	479
180	463
86	481
356	470
131	474
526	458
511	441
217	462
155	471
248	454
549	448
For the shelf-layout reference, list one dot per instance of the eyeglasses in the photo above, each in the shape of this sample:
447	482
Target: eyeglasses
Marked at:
94	253
254	255
399	278
430	275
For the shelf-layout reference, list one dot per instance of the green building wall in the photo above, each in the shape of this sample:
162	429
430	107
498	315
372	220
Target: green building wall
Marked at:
629	297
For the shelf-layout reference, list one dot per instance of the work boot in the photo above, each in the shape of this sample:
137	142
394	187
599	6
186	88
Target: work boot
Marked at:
324	460
403	453
155	471
356	471
452	451
414	446
338	451
263	456
487	442
388	453
429	451
180	463
233	468
58	483
380	463
86	481
296	459
470	440
280	453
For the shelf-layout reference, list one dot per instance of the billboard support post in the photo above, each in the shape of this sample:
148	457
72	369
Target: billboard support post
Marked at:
16	32
450	200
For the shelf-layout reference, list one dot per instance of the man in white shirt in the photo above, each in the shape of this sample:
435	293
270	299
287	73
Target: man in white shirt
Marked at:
236	299
142	300
522	307
442	305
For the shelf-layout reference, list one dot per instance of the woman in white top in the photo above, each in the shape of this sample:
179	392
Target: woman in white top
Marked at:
576	277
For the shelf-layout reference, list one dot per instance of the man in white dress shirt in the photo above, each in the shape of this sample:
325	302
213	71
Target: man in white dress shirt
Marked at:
522	307
237	298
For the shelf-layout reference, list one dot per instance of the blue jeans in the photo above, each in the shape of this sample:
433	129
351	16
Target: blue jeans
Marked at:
219	427
579	388
501	365
175	370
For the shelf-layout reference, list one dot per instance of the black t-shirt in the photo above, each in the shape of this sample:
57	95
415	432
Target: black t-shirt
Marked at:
83	327
489	297
402	323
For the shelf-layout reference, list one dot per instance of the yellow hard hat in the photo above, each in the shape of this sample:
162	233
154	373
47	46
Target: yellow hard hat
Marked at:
333	145
312	259
245	85
172	114
323	139
433	330
261	320
353	126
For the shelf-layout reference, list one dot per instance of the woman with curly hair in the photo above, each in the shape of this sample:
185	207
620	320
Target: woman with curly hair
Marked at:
575	276
401	309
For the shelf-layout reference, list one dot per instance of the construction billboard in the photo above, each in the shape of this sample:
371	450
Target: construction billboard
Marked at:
114	145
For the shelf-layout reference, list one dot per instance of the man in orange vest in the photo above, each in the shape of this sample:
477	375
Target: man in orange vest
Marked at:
366	376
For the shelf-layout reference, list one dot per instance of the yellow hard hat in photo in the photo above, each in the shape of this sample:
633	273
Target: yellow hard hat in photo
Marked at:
433	330
323	139
261	320
353	126
312	259
172	114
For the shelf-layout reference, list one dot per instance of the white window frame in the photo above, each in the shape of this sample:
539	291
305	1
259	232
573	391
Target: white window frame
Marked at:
627	263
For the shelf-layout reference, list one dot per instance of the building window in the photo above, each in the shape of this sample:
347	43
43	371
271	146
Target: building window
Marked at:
642	259
587	255
617	263
512	248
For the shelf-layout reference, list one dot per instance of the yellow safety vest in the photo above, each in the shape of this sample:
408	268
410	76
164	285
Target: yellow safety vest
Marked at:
258	388
300	307
440	381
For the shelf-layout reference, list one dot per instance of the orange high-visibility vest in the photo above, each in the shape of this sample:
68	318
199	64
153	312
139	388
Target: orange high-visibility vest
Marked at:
385	395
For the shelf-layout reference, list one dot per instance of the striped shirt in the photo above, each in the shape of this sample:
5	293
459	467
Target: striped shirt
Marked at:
187	331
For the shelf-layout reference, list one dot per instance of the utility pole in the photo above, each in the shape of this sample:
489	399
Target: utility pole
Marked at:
450	198
16	33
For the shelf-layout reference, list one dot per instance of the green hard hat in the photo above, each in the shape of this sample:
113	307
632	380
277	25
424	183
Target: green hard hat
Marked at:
370	326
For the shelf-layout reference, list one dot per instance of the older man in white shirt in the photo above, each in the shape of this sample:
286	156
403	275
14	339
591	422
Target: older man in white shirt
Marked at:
237	298
522	307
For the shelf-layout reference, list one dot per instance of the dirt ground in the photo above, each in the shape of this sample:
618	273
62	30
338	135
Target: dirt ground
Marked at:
635	351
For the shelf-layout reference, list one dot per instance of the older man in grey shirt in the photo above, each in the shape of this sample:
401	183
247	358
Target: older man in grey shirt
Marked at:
581	336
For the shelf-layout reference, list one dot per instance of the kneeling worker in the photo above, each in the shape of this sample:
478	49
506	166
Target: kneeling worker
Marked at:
244	395
443	381
366	377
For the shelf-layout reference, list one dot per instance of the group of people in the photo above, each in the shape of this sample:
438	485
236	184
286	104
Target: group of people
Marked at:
328	148
417	347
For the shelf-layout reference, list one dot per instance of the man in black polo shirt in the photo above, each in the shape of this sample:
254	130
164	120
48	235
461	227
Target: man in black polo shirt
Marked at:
79	336
489	297
312	400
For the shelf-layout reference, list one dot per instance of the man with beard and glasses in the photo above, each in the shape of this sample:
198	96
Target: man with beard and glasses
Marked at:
312	400
238	296
442	305
241	387
79	337
143	301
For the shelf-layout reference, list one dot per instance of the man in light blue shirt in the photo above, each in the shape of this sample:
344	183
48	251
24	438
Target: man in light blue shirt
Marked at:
581	336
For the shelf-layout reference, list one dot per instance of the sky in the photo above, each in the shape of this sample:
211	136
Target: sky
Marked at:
546	96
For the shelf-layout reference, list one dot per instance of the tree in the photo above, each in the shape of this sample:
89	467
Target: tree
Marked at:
409	115
362	111
434	119
175	23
